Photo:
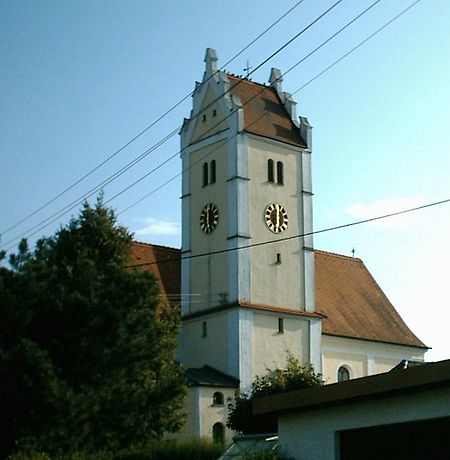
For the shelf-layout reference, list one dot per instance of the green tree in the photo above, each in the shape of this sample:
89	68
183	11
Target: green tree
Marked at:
87	353
293	377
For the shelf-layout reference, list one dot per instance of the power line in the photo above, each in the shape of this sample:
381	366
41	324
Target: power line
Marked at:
301	235
357	46
265	114
141	133
74	203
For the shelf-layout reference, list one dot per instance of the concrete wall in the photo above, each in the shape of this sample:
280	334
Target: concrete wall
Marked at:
313	435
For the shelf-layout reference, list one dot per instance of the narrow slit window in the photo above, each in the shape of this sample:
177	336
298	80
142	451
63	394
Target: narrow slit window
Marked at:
280	325
213	172
204	329
270	176
278	258
214	112
204	117
280	173
205	174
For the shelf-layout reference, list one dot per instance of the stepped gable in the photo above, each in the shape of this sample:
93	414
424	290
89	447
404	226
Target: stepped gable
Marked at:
167	268
354	304
264	112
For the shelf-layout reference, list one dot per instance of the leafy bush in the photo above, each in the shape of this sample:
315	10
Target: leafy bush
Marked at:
294	377
198	449
264	455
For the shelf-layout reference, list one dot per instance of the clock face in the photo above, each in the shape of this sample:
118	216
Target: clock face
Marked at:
209	218
276	218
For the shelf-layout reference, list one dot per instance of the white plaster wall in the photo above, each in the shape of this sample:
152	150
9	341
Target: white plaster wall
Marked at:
207	123
363	357
211	414
270	348
272	283
210	350
312	435
191	427
209	274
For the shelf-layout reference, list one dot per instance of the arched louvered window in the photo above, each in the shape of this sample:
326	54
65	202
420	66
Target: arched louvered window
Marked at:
212	179
343	374
270	176
205	174
280	173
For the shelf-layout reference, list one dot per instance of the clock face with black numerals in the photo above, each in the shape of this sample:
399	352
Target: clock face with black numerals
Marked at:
209	218
276	218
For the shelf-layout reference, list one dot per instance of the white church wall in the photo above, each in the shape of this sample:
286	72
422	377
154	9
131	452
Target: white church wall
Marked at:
209	286
363	357
206	349
287	275
211	413
271	347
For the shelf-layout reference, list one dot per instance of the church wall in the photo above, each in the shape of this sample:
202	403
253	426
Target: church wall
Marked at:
211	120
202	414
191	427
270	347
363	357
287	276
209	285
209	349
211	414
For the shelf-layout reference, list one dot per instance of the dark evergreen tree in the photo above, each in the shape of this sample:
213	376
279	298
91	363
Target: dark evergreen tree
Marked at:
87	353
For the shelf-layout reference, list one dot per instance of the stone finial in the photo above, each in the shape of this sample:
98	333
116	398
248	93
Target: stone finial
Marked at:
276	81
211	62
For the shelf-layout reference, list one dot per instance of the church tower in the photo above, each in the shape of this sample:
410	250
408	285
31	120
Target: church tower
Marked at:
247	249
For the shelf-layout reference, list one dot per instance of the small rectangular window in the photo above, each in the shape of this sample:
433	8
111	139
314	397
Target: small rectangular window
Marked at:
204	329
280	325
214	112
278	258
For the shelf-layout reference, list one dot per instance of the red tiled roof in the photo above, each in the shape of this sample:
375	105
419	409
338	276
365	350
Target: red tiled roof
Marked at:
346	294
167	268
264	113
354	304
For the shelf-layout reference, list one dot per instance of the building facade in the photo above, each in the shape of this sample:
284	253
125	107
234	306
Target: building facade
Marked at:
253	288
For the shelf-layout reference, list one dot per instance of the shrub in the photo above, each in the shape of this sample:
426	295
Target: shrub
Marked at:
198	449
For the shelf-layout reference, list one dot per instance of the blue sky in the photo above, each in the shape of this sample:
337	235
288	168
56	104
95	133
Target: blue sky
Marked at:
79	79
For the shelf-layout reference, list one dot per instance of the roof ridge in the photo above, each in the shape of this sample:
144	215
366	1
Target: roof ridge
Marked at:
156	245
243	79
335	254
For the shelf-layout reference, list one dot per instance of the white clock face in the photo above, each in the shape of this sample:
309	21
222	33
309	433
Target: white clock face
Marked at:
209	218
276	218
